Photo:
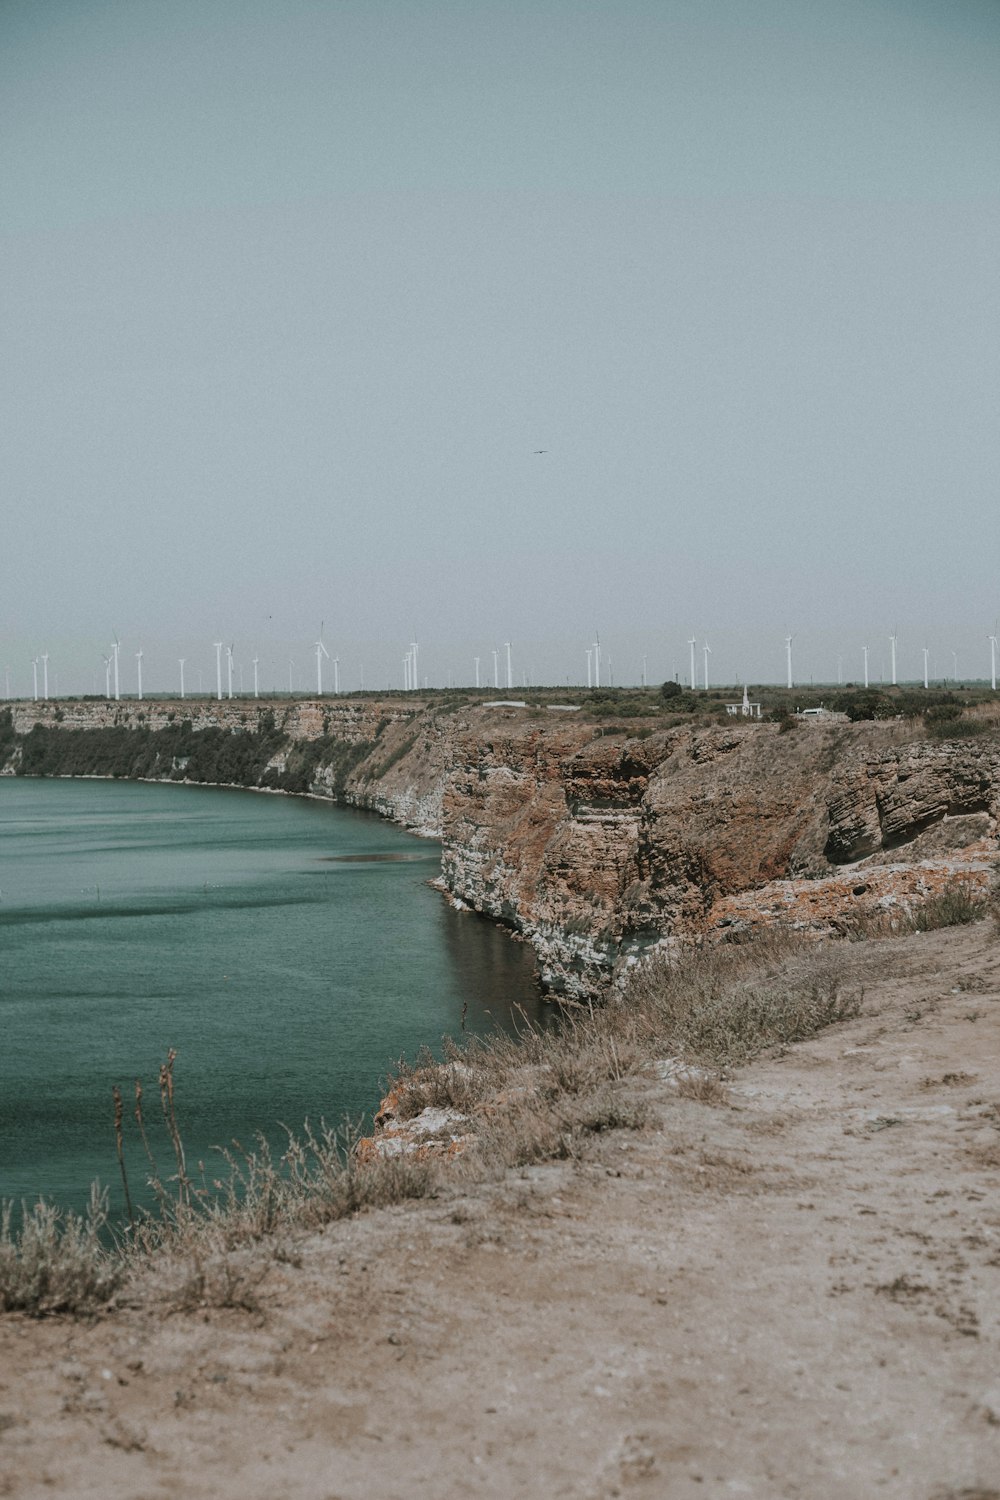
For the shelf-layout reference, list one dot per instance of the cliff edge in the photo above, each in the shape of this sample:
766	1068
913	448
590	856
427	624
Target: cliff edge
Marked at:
595	843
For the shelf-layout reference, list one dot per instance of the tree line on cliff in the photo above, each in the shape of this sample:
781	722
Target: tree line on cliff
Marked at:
179	752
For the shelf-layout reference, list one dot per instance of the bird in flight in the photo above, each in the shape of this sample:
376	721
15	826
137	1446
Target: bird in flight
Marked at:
541	450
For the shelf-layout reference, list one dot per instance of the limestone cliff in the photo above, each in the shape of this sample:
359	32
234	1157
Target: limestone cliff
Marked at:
595	844
601	847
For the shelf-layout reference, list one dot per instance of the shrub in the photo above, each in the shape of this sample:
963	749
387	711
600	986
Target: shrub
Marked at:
866	704
955	906
955	729
54	1262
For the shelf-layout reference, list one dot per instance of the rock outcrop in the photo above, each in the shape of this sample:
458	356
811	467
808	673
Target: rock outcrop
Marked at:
600	844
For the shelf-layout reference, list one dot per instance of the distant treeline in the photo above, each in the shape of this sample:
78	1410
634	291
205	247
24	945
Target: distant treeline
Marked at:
180	752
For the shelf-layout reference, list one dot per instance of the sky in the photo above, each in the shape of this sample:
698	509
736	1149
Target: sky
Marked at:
292	294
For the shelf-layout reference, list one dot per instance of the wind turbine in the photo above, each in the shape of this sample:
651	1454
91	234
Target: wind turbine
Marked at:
510	677
597	660
34	669
496	668
706	652
788	658
255	661
115	648
414	675
336	675
590	657
993	659
45	675
694	681
321	651
218	670
138	668
291	665
644	671
476	660
865	650
107	675
892	650
229	669
926	655
181	660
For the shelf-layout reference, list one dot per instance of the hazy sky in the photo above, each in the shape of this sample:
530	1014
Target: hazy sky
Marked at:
292	292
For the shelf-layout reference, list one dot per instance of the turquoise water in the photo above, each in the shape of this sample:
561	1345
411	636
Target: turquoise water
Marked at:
289	950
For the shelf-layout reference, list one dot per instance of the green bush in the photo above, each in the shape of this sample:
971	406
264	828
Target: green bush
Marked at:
866	705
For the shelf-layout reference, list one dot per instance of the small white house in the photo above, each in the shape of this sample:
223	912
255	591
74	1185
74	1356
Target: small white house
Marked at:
744	710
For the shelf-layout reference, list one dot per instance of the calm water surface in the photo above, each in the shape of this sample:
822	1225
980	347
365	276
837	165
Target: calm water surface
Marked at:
289	950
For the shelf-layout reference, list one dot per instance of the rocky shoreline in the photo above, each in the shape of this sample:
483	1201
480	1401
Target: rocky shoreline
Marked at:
595	844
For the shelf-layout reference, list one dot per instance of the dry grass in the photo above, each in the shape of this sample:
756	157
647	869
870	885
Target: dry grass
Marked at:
957	905
54	1262
960	902
723	1007
707	1088
520	1100
214	1242
208	1242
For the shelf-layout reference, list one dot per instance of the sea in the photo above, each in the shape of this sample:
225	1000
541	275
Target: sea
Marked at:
289	951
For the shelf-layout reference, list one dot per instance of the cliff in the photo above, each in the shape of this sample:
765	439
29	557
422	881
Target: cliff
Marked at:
594	843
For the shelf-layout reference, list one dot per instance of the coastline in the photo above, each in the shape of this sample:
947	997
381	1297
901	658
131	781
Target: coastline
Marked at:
602	845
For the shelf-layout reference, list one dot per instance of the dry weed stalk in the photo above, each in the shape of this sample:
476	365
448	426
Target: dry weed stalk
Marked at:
116	1094
154	1176
170	1118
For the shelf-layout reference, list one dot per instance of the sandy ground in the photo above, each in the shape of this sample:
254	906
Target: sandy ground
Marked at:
793	1294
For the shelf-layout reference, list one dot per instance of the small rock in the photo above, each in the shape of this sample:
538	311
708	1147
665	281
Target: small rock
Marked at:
129	1436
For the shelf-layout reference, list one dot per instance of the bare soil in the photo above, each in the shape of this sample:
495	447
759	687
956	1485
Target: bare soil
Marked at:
795	1292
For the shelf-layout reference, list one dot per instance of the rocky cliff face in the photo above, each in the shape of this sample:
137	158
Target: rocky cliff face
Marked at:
600	848
599	845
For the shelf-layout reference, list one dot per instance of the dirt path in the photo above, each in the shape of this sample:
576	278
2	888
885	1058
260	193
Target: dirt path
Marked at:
794	1294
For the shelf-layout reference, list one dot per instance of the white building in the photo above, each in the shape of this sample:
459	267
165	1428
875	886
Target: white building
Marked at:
746	709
